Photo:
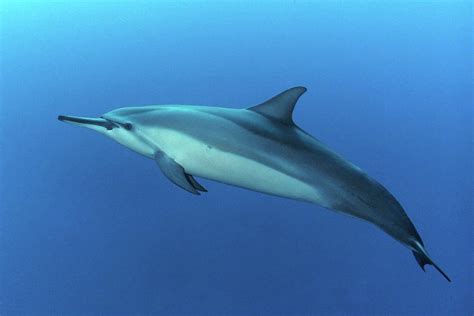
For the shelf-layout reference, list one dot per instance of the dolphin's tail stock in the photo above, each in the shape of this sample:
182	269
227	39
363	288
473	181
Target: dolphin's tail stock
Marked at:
423	259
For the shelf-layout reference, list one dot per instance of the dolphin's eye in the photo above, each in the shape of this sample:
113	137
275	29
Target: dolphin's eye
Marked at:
127	126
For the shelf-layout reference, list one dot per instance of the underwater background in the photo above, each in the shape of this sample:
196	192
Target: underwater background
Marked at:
89	227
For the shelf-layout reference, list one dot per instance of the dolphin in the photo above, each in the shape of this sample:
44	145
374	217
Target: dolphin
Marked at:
258	148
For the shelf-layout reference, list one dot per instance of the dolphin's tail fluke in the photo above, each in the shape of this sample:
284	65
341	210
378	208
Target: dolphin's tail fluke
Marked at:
423	259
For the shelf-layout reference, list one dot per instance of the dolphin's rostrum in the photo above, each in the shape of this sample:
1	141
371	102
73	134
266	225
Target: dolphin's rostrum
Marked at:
258	148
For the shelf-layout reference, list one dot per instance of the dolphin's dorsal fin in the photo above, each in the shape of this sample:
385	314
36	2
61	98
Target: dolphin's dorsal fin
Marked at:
281	106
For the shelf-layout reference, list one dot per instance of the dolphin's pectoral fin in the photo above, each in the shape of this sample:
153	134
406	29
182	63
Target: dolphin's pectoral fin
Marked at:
175	172
195	184
281	106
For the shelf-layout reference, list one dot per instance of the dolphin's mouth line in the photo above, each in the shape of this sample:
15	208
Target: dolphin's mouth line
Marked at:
108	124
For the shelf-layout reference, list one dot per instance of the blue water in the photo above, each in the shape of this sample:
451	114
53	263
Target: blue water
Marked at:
89	227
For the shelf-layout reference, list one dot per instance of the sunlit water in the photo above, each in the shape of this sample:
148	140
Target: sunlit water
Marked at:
89	227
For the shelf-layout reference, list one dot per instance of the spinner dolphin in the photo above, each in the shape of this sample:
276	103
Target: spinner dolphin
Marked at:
258	148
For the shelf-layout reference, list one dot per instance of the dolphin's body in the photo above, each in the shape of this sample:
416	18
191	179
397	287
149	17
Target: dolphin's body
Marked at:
259	148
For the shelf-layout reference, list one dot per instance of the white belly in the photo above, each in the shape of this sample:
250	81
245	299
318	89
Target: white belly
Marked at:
204	160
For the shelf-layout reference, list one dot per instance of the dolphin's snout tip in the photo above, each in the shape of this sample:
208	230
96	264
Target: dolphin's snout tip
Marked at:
88	122
75	119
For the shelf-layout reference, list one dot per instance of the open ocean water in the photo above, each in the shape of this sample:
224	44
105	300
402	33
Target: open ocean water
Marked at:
87	227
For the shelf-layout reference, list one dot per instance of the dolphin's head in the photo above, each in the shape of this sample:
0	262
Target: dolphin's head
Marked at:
120	125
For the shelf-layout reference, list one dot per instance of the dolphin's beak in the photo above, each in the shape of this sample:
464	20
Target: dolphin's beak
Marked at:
98	124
